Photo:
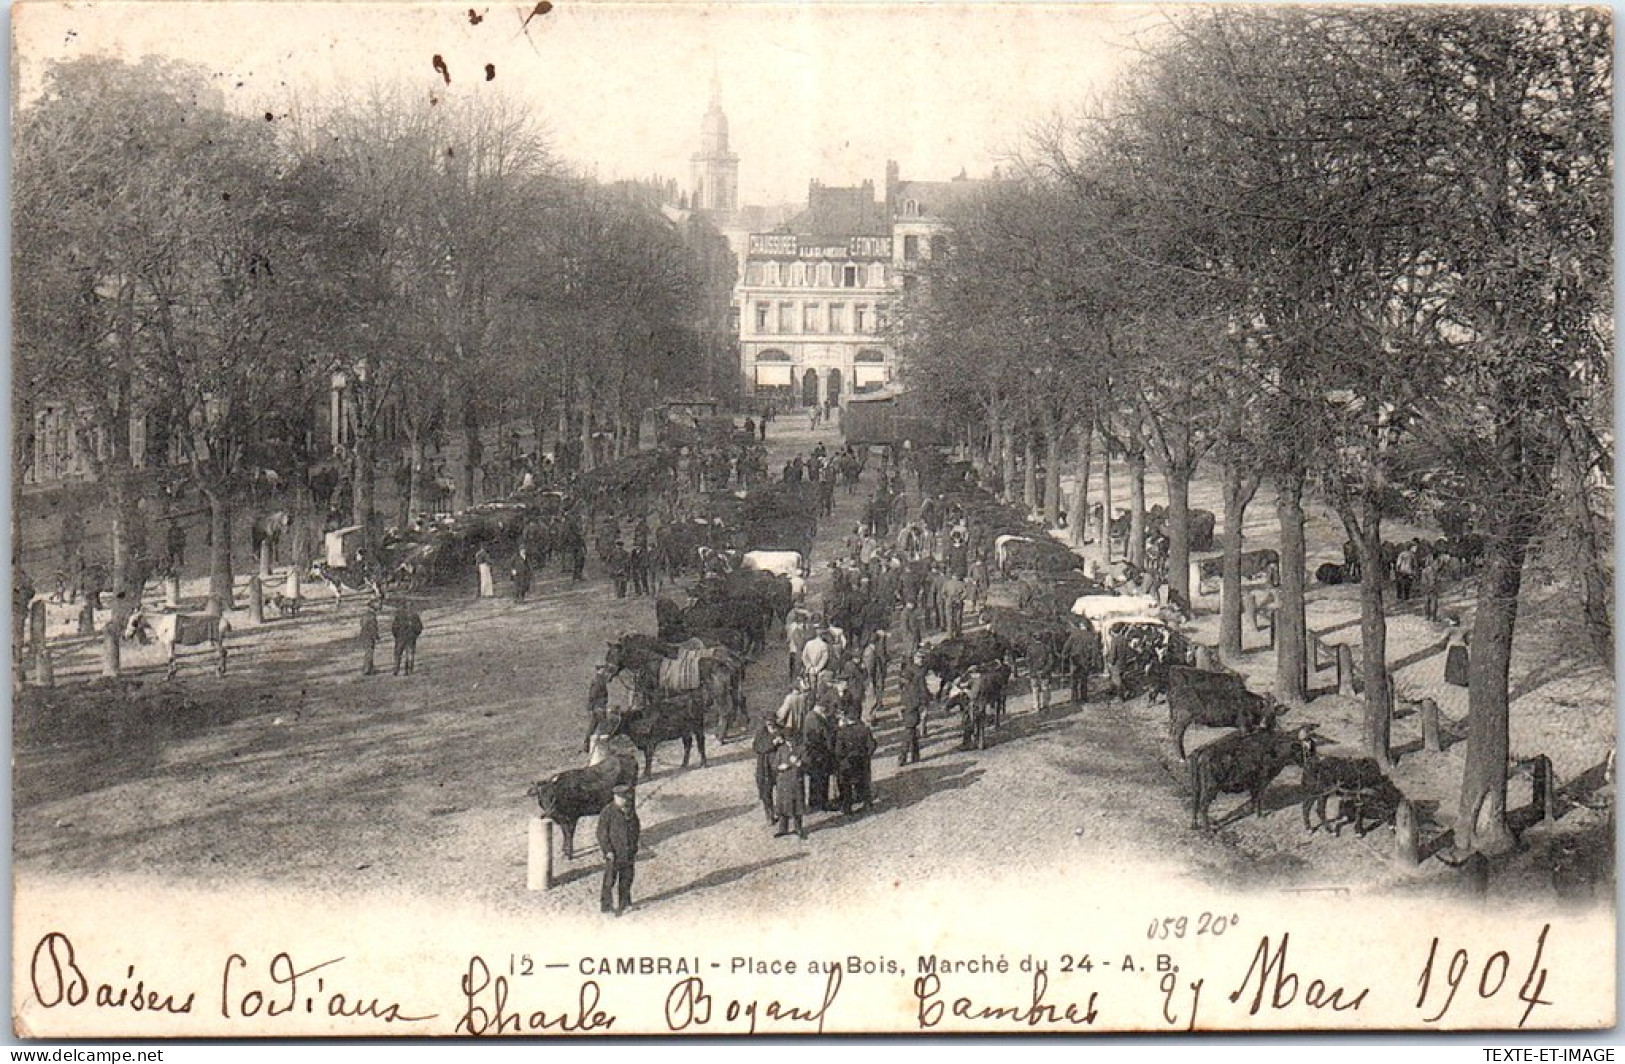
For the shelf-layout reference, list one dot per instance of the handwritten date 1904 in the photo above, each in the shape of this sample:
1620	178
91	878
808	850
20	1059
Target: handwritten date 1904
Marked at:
1492	978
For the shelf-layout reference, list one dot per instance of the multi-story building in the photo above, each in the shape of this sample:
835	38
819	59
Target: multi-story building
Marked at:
815	293
815	287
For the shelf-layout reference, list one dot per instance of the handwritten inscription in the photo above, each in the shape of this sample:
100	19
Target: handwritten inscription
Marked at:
486	1010
1276	985
59	977
932	1003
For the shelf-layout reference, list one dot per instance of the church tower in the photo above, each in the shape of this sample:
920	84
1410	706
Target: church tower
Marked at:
715	168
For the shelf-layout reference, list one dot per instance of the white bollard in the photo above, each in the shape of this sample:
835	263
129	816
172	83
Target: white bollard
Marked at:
539	867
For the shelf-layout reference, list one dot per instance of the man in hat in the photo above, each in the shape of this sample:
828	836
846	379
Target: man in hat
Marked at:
618	831
914	695
818	755
854	747
369	638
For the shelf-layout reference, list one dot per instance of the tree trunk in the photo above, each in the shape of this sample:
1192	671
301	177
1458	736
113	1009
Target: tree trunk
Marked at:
1106	495
588	458
1179	531
1481	820
220	575
1029	472
1080	493
1239	489
1008	459
1136	503
473	455
1367	532
1052	479
1291	622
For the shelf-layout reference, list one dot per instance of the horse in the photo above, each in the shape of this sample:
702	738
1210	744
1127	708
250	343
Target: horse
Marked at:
720	674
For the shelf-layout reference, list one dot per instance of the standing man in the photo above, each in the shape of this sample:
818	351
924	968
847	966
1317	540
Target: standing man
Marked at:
369	637
789	794
818	755
618	831
521	575
854	747
769	737
619	562
914	696
405	628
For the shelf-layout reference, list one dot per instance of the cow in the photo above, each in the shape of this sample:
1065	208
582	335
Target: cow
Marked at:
1214	700
1331	574
1201	530
567	796
952	657
1242	763
1360	787
1254	563
1099	609
786	563
677	716
1139	651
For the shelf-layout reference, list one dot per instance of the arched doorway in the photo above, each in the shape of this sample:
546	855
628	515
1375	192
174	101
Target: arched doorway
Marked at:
809	388
833	392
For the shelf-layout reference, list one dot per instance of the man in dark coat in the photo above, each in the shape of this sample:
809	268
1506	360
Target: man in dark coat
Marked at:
1083	657
618	831
369	638
619	564
405	628
914	695
854	748
521	575
818	755
769	737
789	799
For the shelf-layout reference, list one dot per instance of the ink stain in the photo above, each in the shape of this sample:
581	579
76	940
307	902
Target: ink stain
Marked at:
490	72
441	68
269	117
474	17
542	7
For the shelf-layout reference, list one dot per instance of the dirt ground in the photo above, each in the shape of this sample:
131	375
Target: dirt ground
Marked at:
295	770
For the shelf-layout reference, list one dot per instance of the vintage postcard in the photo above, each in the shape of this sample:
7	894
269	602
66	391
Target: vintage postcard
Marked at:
589	519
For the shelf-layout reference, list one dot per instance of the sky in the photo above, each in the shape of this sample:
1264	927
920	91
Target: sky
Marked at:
811	90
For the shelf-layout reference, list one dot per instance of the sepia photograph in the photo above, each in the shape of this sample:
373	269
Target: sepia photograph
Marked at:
685	518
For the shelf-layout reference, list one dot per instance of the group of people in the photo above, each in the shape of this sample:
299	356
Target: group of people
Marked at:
404	628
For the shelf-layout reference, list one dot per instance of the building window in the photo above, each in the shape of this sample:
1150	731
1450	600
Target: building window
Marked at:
911	209
826	275
860	318
770	273
877	276
787	317
809	318
849	277
761	317
911	249
798	275
837	317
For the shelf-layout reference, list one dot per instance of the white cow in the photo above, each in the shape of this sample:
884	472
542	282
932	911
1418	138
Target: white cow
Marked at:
786	563
1001	550
1102	608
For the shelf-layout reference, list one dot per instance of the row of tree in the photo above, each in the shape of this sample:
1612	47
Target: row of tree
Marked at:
1363	254
193	282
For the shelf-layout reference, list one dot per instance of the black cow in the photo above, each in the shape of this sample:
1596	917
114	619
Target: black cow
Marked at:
1142	653
949	659
568	796
674	716
1201	530
1331	574
1362	790
1215	700
1242	763
1265	563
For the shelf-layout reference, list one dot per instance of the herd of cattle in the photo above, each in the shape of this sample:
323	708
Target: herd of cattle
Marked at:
1066	626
